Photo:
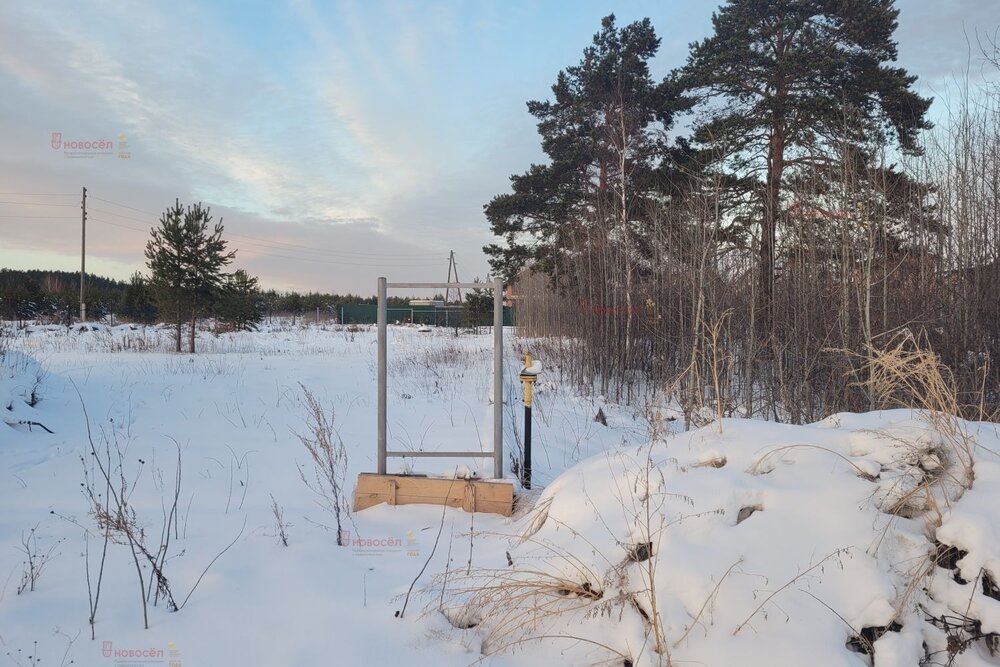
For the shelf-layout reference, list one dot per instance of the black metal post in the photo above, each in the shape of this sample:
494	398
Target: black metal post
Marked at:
527	378
526	481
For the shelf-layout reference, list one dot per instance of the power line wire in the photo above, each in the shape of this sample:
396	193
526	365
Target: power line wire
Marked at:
334	256
293	246
332	260
281	245
39	194
131	208
45	217
36	203
340	262
115	224
117	215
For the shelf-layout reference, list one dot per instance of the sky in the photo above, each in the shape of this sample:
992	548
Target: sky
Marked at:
337	141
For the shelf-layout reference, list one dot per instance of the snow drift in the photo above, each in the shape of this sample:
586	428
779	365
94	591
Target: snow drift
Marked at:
755	543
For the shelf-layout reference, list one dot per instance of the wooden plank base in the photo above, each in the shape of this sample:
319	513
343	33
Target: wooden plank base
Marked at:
472	495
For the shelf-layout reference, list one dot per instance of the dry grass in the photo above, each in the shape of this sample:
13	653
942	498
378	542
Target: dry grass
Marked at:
280	525
764	464
6	336
907	373
546	589
328	456
514	605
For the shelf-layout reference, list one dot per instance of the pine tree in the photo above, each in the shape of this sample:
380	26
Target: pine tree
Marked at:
781	81
478	307
604	135
137	301
186	262
240	304
292	303
23	301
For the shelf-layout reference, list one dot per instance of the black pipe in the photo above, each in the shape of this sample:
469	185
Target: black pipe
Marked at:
526	482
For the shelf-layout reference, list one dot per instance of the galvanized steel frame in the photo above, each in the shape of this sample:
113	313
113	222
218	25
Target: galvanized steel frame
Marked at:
497	453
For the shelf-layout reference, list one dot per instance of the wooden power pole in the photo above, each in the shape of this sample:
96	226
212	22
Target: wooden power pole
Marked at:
83	255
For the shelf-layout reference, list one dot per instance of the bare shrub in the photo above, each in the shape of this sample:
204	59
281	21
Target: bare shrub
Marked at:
118	523
109	489
328	458
33	658
35	559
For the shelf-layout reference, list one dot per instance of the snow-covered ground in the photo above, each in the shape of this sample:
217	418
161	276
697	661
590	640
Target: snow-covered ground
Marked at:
742	543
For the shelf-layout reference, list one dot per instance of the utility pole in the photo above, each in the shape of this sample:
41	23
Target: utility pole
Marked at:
452	265
83	255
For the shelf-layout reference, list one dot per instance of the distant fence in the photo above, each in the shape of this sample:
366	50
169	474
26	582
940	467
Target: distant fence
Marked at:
439	316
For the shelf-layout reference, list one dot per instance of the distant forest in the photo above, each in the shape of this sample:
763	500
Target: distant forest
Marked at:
54	296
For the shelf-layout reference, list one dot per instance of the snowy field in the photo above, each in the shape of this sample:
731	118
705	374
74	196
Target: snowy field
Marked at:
853	541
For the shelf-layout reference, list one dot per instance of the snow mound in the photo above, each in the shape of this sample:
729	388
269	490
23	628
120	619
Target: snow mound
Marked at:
755	543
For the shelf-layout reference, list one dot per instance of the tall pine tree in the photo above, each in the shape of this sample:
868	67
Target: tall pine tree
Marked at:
604	135
783	81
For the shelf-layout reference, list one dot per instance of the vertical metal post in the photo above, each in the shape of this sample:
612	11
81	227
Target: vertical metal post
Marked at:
382	330
83	255
527	379
498	378
526	477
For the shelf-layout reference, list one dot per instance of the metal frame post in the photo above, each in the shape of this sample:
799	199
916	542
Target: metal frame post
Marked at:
382	331
497	453
83	256
498	378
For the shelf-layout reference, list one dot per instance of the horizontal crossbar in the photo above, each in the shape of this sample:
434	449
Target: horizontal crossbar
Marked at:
439	285
485	455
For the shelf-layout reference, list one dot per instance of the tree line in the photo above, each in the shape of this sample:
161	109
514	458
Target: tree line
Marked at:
737	234
187	258
54	297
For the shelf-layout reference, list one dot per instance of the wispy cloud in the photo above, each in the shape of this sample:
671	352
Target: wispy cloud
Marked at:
379	127
175	111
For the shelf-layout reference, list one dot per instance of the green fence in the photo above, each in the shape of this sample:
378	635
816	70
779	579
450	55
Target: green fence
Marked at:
451	316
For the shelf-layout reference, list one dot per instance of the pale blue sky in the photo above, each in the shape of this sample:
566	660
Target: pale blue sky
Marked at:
340	141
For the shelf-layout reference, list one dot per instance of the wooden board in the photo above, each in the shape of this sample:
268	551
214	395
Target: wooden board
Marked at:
474	495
